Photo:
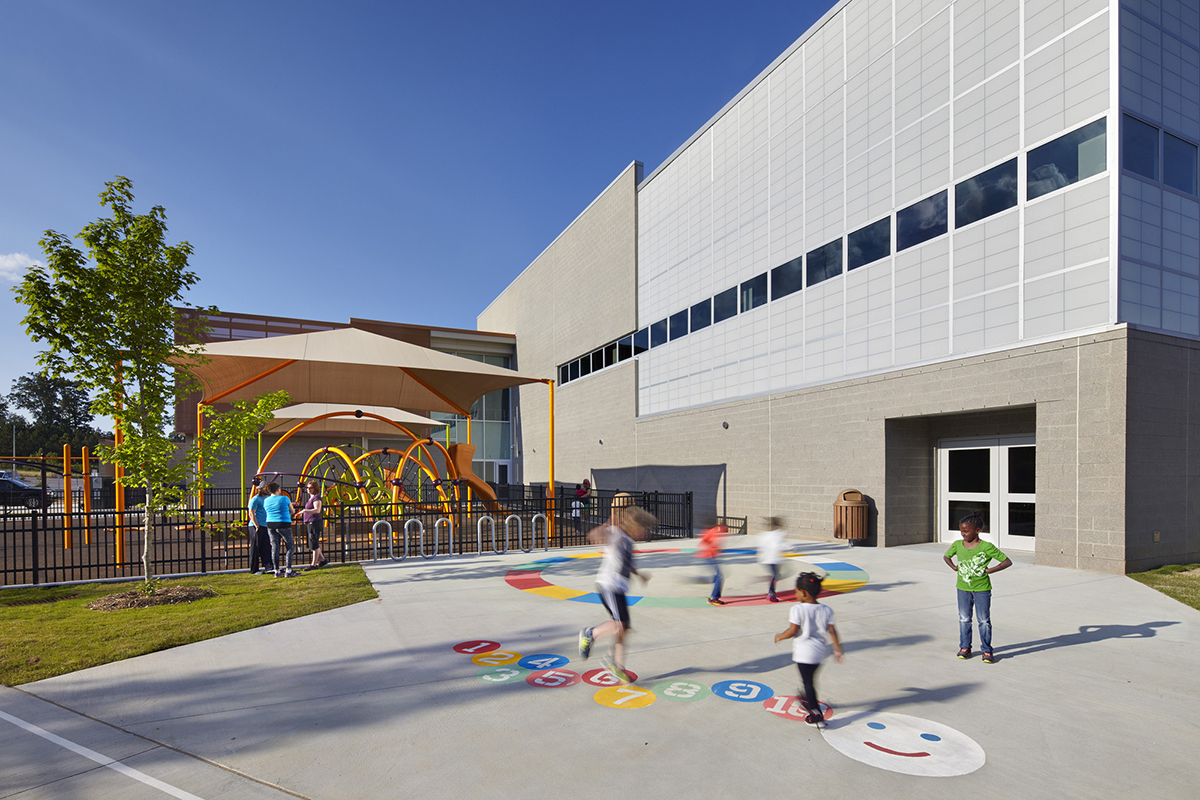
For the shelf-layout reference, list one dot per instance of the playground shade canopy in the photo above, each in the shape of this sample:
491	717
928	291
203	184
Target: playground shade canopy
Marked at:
348	366
347	423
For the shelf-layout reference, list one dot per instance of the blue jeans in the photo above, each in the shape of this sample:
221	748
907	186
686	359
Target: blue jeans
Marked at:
982	604
717	580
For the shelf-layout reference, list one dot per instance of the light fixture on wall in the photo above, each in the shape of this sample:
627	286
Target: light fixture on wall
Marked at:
601	441
725	425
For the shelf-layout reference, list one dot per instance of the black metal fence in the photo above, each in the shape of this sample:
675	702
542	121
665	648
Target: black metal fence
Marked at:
47	546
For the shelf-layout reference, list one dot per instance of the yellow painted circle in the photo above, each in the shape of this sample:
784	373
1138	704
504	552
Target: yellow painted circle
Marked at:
496	658
624	697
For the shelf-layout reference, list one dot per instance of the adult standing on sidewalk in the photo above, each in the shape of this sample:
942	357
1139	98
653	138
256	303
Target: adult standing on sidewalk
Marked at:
314	524
279	526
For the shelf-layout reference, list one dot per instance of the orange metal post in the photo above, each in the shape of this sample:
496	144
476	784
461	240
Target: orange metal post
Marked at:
200	458
66	488
119	475
84	458
553	492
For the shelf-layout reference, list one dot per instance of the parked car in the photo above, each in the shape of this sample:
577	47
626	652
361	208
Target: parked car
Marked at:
16	493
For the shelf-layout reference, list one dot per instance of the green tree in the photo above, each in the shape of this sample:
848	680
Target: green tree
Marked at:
109	321
60	413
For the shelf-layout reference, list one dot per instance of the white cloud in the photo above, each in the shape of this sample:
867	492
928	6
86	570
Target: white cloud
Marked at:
13	265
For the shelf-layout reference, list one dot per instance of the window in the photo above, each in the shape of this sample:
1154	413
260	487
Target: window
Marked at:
1139	148
702	315
564	374
658	333
610	354
625	348
1179	163
641	341
679	325
1068	159
869	244
574	370
597	360
921	221
787	278
986	194
725	305
585	366
825	262
754	292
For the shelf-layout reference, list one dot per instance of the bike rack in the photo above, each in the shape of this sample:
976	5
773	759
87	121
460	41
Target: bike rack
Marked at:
533	532
437	527
375	537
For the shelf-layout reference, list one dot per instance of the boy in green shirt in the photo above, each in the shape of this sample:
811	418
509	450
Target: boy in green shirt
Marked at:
974	585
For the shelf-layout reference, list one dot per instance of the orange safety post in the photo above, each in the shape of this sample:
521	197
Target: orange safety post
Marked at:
66	488
87	494
118	476
200	458
553	492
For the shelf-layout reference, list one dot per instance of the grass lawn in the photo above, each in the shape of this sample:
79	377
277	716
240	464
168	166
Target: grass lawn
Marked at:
51	631
1181	581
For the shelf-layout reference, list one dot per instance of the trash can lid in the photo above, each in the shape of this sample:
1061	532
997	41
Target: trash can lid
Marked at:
850	497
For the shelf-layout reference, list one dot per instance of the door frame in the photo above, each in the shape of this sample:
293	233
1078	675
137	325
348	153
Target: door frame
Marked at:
997	497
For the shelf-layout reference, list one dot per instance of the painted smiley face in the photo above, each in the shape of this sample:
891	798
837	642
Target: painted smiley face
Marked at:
900	743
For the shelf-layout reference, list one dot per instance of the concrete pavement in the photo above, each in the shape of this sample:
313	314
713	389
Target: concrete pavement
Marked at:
1094	694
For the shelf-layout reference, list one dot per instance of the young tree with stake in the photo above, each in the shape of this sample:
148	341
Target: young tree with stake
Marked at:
109	321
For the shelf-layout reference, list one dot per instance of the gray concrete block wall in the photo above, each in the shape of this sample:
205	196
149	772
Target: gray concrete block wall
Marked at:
1164	454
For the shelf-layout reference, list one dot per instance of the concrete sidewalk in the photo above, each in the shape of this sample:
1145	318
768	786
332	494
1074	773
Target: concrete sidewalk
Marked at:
1094	694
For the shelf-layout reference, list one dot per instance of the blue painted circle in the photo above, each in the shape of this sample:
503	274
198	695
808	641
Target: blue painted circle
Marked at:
931	737
876	725
743	691
543	661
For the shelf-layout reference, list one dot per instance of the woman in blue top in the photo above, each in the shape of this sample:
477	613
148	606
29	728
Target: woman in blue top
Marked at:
279	526
260	541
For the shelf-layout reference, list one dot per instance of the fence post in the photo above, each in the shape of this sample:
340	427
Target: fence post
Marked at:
344	526
34	537
690	528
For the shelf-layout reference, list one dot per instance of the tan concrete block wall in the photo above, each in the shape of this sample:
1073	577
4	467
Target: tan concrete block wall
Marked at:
579	294
790	454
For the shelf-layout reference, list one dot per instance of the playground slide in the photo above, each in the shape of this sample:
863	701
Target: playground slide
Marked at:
462	454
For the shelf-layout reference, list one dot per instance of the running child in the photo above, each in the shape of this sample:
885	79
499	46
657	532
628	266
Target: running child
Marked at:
709	551
809	621
974	585
612	580
770	553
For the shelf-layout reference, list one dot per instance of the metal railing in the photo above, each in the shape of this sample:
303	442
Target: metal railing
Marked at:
48	546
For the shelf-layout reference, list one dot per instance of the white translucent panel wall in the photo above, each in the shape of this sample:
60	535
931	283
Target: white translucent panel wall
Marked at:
888	103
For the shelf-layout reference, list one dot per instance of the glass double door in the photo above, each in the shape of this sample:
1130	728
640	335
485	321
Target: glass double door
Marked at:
994	476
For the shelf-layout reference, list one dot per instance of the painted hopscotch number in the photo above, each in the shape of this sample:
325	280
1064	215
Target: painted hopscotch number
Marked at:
496	658
544	661
552	678
681	690
477	646
602	677
742	691
624	697
501	674
790	707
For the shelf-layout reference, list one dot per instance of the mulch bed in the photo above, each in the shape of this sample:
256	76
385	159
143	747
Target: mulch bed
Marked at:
163	597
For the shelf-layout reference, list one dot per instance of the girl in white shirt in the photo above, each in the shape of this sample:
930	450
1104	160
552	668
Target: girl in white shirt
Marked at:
809	622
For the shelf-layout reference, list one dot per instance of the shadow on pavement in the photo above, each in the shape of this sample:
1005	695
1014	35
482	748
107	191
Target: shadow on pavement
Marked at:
1086	634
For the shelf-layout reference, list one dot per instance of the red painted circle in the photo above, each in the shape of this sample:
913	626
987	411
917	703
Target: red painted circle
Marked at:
476	647
790	707
552	678
602	677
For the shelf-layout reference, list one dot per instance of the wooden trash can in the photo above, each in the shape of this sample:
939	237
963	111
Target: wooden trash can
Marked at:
850	516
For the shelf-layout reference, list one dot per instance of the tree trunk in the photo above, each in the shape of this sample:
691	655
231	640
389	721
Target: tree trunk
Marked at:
148	535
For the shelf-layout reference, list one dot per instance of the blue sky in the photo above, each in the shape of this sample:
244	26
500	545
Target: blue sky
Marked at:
401	161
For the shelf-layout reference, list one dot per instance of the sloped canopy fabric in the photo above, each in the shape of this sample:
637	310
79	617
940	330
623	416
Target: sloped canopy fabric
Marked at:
355	426
348	366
